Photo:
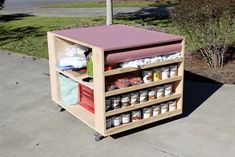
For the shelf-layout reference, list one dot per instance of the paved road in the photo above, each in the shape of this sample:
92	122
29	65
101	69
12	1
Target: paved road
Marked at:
25	4
31	126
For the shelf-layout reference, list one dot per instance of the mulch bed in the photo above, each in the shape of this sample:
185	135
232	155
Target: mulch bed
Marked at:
226	75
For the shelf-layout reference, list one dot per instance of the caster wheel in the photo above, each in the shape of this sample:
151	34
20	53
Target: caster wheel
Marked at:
98	137
60	109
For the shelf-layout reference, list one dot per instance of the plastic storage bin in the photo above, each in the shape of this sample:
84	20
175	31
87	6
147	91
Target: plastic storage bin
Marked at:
86	97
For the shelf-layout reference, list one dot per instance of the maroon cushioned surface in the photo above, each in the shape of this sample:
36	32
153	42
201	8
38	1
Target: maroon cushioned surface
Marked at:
116	37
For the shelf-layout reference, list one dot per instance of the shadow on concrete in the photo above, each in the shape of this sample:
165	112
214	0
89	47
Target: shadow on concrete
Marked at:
197	89
12	17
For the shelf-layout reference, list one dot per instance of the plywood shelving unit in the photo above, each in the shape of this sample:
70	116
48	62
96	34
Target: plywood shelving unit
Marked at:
104	40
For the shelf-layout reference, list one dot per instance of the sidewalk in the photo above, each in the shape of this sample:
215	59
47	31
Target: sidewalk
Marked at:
31	126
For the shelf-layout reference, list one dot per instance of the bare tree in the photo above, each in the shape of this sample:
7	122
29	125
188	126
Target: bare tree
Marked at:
208	23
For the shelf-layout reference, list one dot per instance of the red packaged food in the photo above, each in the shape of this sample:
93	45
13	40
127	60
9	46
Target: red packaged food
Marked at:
110	86
135	80
122	83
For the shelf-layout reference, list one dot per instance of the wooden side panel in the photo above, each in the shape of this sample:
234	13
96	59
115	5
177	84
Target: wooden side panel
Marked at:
179	88
52	62
99	90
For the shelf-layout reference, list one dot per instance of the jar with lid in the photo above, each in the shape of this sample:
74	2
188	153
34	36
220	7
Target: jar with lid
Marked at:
108	123
165	73
172	105
160	92
147	76
135	115
156	110
164	107
173	71
147	112
115	102
107	105
126	118
168	89
135	98
125	100
143	96
116	121
152	94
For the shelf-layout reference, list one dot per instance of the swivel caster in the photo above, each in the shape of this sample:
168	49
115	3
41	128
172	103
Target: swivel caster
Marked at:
60	109
98	137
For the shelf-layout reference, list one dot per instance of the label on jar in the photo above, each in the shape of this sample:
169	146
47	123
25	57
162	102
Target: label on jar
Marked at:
173	71
156	110
152	94
125	118
135	98
125	100
168	89
143	96
164	108
165	73
172	105
147	112
116	121
160	92
147	76
156	74
107	104
115	102
135	115
108	123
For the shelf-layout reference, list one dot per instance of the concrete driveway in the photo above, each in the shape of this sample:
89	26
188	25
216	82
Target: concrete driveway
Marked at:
31	126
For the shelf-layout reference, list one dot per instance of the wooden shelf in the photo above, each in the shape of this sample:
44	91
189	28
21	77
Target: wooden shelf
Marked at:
142	122
152	65
141	105
81	113
141	86
77	77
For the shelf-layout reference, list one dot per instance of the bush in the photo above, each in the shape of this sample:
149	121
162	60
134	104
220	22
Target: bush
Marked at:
208	23
1	3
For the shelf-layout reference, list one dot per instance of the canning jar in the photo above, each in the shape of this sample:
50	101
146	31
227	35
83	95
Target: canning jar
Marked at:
115	102
168	89
135	115
164	107
173	71
147	112
156	110
135	98
165	73
172	105
143	96
125	100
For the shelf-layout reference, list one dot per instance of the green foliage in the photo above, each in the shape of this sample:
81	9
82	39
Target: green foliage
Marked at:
1	3
208	23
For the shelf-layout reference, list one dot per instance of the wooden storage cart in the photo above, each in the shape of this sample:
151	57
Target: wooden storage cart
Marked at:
112	39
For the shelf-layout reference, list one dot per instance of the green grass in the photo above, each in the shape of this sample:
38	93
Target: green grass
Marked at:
103	4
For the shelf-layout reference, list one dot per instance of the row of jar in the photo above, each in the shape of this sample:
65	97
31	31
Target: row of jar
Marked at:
135	78
133	98
143	113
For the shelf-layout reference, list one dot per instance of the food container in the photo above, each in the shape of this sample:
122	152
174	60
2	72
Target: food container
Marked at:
164	107
147	112
122	83
135	80
108	123
156	74
115	102
126	118
173	71
107	104
160	92
143	96
110	86
156	110
152	94
168	89
135	98
172	105
125	100
135	115
116	121
147	76
165	73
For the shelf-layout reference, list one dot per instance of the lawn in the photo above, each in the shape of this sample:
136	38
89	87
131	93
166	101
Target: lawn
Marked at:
28	34
102	4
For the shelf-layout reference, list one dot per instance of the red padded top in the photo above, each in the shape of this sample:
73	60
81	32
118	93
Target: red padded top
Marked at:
114	37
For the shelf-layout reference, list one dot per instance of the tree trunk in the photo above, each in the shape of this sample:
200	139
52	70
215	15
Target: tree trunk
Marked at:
109	12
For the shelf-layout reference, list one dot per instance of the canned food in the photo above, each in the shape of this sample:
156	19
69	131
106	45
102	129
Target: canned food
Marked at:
147	112
152	94
126	118
147	76
116	121
135	98
168	89
156	74
164	108
160	92
156	110
172	105
107	104
108	123
165	73
173	71
135	115
115	102
143	96
125	100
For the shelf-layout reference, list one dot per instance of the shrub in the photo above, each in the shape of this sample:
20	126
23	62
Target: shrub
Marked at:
208	23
